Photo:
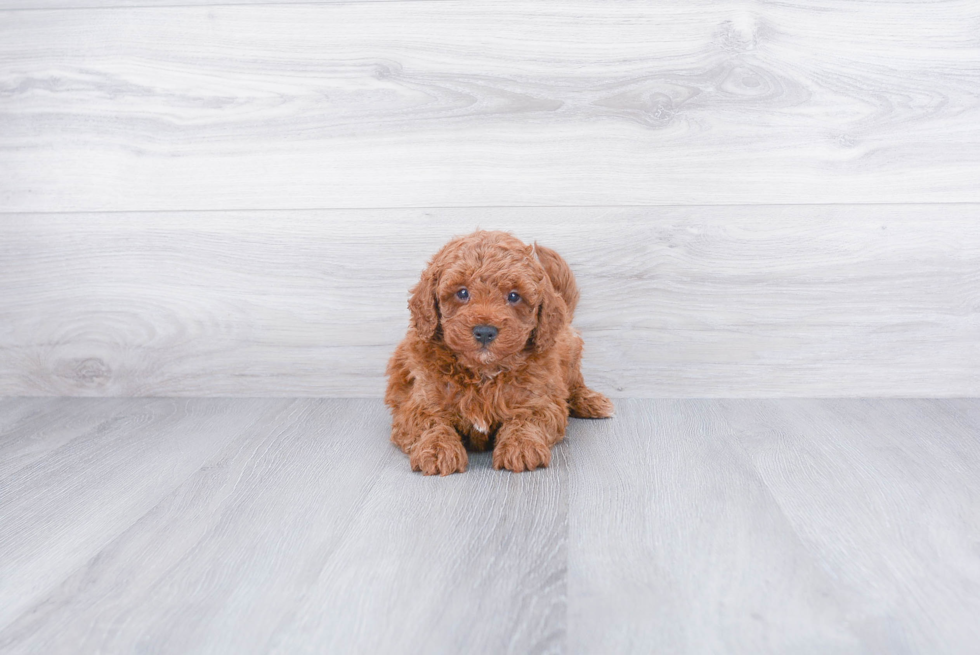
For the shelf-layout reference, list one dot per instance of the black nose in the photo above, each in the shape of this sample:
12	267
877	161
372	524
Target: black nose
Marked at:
485	333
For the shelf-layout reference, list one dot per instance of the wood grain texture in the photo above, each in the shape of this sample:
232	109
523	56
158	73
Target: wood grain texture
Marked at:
307	532
676	301
885	494
687	526
30	428
739	526
66	507
421	104
473	563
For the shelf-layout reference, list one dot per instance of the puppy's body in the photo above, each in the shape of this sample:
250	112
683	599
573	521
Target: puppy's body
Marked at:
451	381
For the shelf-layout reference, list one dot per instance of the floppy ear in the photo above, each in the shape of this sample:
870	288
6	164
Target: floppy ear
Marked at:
552	317
424	305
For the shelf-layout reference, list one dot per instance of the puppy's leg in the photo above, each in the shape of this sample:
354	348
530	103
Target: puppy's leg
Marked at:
420	430
524	442
439	451
586	403
432	444
582	401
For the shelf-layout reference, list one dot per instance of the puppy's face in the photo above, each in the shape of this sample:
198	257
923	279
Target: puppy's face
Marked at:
488	307
483	296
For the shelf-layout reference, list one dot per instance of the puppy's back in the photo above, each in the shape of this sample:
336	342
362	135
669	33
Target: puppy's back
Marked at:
561	275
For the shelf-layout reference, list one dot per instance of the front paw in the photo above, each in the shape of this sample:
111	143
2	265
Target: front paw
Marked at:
521	451
438	456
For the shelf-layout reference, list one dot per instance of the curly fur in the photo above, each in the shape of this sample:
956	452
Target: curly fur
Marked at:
448	392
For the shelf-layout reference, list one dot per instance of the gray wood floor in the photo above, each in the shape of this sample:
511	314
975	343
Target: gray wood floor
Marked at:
696	526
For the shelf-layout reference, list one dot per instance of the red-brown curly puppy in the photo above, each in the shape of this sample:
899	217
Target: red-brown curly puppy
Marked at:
490	355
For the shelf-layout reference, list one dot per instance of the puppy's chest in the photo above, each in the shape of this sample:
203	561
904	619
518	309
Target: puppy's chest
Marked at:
478	407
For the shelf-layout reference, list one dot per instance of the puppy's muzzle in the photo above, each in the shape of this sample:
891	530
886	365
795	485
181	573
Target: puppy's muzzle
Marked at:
485	334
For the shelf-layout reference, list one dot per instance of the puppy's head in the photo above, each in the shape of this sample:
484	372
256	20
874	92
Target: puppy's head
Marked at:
488	299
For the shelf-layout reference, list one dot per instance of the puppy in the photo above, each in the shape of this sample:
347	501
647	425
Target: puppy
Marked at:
490	358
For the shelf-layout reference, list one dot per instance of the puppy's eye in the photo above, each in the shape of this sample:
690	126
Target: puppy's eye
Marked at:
463	294
513	297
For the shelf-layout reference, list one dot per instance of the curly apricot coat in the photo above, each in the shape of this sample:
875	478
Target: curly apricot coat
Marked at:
490	358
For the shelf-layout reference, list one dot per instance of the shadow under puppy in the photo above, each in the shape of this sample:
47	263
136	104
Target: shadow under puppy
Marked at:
490	358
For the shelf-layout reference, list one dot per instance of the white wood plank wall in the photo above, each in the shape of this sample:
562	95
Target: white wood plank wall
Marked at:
759	198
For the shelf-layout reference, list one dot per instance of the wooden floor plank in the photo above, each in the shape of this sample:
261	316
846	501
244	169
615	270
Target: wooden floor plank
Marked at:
886	494
310	531
470	564
676	301
62	510
694	526
18	412
31	428
217	563
679	547
489	103
777	526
